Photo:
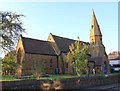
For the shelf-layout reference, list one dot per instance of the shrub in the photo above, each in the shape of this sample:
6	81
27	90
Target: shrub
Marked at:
38	69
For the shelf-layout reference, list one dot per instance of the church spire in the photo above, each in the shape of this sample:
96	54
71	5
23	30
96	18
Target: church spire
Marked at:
95	30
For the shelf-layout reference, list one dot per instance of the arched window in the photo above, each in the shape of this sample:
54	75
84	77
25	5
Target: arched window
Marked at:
50	62
66	65
19	54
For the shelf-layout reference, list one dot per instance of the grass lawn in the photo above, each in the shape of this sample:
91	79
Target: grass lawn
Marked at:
8	78
11	78
115	73
59	76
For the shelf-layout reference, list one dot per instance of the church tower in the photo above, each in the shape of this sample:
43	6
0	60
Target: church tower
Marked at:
97	49
96	45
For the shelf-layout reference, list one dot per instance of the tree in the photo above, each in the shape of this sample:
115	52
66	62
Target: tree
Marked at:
78	57
10	29
38	69
9	63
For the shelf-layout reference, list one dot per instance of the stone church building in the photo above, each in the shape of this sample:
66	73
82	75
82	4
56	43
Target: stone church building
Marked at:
53	52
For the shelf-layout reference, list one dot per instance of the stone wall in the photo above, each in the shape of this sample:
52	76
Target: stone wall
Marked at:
20	51
61	59
68	69
30	59
69	83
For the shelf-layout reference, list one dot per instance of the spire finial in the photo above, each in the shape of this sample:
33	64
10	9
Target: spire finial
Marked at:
93	12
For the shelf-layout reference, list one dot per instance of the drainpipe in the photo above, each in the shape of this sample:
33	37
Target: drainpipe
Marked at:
57	67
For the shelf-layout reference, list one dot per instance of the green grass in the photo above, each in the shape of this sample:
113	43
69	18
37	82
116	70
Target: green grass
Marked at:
115	73
11	78
59	76
8	78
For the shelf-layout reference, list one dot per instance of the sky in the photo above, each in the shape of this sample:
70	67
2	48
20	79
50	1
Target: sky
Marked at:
67	19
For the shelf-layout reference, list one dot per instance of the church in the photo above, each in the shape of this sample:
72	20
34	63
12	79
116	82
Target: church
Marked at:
52	52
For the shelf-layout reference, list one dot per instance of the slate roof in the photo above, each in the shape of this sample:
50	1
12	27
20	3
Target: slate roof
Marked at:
35	46
64	43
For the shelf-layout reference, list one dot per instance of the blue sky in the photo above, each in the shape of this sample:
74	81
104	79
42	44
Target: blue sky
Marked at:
67	19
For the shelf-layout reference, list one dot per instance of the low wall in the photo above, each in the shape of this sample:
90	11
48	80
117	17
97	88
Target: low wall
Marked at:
69	83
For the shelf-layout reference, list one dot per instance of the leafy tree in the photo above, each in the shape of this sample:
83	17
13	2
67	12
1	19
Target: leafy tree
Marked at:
78	57
38	69
10	29
9	63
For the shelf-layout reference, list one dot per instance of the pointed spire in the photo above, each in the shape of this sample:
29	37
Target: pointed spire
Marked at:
93	12
95	30
94	20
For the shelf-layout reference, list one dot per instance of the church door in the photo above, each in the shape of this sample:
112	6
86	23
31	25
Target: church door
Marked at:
105	68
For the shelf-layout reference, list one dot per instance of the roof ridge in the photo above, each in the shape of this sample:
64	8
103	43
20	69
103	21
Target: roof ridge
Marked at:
63	37
68	38
34	39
